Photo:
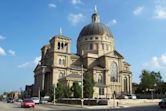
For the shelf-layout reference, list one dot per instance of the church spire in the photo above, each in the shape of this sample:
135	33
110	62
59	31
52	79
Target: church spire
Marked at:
95	16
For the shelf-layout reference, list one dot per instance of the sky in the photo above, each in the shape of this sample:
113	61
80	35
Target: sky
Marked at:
138	27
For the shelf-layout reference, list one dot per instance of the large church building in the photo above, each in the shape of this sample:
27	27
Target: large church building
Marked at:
96	54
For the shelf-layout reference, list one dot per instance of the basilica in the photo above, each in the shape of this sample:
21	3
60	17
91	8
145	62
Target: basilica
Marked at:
96	54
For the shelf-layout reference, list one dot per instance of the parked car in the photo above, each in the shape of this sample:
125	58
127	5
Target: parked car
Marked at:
27	103
162	103
10	100
35	100
132	96
43	101
123	97
19	100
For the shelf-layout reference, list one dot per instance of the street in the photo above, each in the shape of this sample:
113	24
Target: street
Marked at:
47	107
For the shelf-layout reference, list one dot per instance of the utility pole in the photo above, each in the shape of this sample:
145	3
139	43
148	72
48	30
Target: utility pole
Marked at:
82	96
39	93
114	92
54	95
43	76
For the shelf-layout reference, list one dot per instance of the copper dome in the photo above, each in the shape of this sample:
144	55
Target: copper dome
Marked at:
95	29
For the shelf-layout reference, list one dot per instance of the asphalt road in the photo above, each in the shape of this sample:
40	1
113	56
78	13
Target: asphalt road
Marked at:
16	107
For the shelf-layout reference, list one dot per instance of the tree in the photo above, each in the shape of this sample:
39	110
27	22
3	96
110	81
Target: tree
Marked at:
149	80
135	88
67	92
51	93
76	89
88	85
59	90
42	93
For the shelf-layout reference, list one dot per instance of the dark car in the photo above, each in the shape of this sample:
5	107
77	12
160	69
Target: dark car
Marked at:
162	103
27	103
10	100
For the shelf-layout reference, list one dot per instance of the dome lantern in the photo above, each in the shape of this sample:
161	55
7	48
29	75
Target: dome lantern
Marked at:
95	16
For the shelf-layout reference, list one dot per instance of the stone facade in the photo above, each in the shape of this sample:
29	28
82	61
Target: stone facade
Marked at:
96	53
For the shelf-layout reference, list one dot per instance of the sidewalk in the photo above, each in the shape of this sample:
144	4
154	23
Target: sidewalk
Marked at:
102	106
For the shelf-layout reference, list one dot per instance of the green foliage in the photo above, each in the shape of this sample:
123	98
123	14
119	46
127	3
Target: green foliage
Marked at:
59	91
67	92
42	93
88	85
149	80
51	93
76	89
11	95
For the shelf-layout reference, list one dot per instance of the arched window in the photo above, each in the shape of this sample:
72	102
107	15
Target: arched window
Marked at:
114	72
100	78
62	45
60	61
63	61
59	45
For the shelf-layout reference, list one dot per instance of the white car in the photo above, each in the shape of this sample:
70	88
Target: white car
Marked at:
35	100
132	96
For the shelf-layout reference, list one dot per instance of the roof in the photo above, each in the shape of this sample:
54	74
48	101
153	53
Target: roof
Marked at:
75	67
126	63
73	76
95	29
118	54
98	68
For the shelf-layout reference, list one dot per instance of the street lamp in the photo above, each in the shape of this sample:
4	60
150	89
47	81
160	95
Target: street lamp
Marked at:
113	78
39	93
82	96
54	94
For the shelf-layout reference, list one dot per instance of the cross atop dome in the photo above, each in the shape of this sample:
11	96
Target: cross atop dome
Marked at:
95	9
95	16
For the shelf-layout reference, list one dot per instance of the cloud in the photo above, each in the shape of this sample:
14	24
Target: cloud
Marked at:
24	65
51	5
112	22
2	37
74	19
75	2
30	63
157	62
12	52
2	52
37	59
138	10
160	12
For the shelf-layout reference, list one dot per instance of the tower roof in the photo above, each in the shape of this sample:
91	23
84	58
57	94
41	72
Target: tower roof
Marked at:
95	27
